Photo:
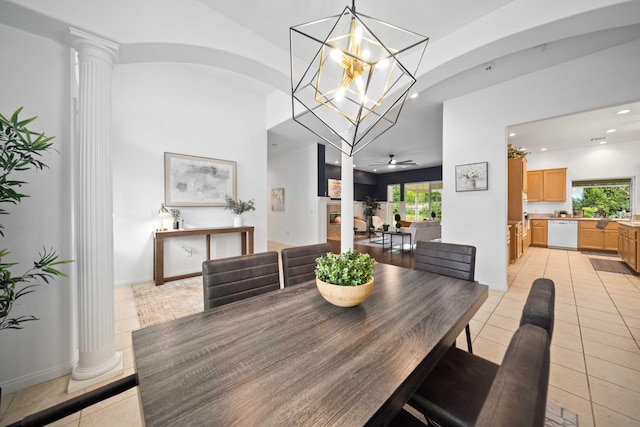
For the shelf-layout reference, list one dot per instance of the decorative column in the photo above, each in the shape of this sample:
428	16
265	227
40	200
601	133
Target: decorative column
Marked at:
346	205
99	358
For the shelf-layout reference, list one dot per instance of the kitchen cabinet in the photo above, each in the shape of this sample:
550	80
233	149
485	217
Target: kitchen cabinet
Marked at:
516	187
516	242
590	236
547	185
509	244
539	232
629	245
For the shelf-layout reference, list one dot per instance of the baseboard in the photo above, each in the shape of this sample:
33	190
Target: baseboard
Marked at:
38	377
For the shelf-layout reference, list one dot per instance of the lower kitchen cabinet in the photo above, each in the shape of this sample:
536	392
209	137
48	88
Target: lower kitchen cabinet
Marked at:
590	236
516	241
629	245
539	232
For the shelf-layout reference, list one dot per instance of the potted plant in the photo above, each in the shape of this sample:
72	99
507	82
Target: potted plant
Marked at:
238	207
345	280
371	206
563	214
20	149
397	217
175	217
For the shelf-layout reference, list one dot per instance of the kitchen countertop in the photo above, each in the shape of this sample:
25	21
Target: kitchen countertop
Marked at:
634	224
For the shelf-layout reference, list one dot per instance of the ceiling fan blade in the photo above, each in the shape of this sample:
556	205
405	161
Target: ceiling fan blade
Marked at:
404	162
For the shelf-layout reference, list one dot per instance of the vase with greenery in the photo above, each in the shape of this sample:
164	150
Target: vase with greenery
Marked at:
20	150
346	279
239	207
175	218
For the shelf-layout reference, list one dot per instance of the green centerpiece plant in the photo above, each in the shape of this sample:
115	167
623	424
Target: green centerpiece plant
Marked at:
238	207
20	150
350	268
345	280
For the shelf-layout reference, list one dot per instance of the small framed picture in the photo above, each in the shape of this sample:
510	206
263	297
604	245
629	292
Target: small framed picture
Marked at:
472	177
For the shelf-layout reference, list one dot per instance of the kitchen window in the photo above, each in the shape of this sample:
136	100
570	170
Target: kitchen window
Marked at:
610	198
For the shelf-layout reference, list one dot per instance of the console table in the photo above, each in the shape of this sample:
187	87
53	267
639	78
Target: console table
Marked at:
246	235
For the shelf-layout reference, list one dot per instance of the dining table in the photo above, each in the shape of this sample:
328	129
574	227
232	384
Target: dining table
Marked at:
288	357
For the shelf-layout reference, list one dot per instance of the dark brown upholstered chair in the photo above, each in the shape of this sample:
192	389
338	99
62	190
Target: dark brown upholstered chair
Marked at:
448	259
540	305
78	403
299	263
454	392
467	390
227	280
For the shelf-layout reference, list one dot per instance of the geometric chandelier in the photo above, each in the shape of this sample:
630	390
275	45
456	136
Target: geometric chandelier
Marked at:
350	76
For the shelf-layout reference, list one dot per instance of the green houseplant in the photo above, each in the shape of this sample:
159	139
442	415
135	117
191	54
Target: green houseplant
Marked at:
20	150
175	218
345	280
238	207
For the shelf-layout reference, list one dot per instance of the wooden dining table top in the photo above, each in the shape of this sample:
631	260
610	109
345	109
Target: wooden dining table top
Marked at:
288	357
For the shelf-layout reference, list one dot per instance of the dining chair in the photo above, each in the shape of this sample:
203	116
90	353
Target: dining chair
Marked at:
540	305
227	280
448	259
445	395
78	403
299	263
466	390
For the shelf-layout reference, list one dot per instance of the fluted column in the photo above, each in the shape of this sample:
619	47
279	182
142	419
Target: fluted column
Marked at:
99	357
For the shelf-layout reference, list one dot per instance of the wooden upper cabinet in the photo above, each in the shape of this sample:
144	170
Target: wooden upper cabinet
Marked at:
517	185
554	185
547	185
534	185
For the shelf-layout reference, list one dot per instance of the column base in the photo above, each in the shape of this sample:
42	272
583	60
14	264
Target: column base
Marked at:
78	384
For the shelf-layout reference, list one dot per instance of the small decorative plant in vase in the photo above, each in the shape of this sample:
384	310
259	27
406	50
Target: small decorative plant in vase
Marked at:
175	217
239	207
345	280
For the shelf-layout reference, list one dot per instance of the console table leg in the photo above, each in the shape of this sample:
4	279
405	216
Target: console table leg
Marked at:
158	261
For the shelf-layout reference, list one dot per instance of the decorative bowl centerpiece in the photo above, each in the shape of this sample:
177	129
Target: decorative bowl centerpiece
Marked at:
345	280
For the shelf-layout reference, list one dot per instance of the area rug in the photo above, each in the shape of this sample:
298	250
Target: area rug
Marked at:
610	265
172	300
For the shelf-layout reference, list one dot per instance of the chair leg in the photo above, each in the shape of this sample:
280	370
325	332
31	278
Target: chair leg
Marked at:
469	338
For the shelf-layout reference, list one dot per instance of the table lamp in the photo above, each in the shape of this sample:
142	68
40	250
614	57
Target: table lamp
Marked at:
163	213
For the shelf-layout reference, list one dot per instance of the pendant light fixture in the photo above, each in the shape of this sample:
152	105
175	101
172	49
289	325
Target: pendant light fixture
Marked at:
350	76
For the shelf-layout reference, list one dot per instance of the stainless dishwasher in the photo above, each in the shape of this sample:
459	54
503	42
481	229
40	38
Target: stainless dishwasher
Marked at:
562	234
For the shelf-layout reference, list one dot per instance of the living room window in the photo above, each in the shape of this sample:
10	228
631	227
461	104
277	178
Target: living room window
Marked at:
423	200
394	204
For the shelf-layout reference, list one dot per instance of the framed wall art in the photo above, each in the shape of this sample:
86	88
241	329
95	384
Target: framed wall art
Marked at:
197	181
472	177
277	199
335	188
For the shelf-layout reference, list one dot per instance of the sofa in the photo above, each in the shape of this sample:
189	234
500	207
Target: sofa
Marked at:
423	230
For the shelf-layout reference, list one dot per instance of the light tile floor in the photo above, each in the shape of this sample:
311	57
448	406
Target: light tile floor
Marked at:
595	355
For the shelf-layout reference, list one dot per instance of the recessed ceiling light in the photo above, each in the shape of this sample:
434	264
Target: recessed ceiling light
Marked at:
603	142
543	149
336	162
375	170
414	95
623	111
512	134
522	149
274	144
354	166
611	130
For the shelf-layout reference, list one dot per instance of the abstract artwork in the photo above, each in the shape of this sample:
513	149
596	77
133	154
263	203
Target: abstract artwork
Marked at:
197	181
277	199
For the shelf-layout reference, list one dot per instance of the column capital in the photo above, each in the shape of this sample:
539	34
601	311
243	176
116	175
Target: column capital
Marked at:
81	40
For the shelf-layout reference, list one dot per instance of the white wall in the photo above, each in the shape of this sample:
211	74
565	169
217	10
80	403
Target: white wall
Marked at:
597	162
297	172
185	109
474	130
39	82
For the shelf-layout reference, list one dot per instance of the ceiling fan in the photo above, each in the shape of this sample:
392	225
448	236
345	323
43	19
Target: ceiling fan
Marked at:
392	163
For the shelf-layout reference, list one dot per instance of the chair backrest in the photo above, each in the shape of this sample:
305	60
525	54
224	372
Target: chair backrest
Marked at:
538	310
518	395
448	259
231	279
299	263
